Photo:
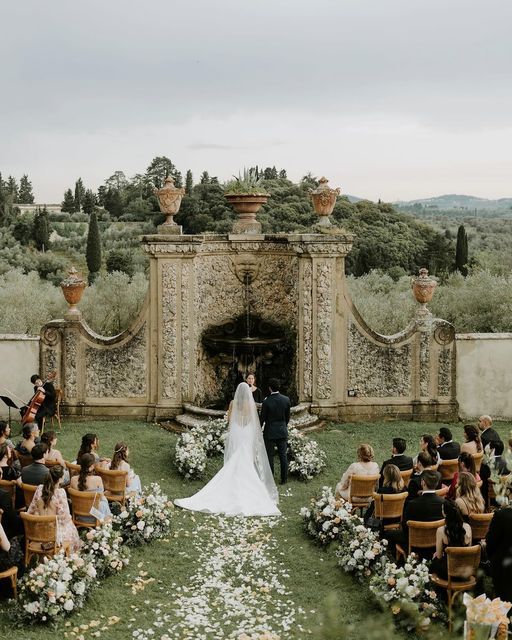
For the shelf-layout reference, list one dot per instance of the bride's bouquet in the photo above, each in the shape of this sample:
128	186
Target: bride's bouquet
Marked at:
326	517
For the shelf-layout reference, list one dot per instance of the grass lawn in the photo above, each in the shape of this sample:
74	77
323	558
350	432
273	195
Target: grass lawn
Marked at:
313	575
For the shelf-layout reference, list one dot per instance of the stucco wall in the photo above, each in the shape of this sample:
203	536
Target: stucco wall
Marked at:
19	359
484	374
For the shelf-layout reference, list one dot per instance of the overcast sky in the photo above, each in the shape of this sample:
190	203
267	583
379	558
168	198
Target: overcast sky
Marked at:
396	99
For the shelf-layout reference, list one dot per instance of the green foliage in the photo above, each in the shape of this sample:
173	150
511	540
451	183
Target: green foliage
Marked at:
160	168
461	251
23	228
93	249
68	204
189	183
246	182
79	194
120	260
25	195
41	230
89	202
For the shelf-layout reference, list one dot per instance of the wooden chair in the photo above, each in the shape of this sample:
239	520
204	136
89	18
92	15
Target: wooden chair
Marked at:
74	469
406	476
114	483
447	469
12	574
40	536
479	523
462	567
361	491
422	535
9	486
28	492
81	504
390	505
51	463
25	459
478	457
56	416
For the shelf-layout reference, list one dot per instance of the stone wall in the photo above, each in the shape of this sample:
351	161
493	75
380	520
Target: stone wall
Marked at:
19	359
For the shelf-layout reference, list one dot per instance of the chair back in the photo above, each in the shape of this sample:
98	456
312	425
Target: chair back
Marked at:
81	504
114	483
39	528
406	476
448	468
9	486
479	523
422	535
74	469
363	486
25	459
28	492
478	457
51	463
463	562
389	505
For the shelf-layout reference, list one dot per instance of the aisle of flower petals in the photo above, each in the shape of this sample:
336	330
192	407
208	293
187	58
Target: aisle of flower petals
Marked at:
237	586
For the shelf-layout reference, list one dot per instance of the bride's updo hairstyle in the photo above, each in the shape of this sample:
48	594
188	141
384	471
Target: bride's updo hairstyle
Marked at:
365	453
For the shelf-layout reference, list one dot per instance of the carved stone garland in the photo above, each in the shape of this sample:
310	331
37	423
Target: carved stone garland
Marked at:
324	322
169	334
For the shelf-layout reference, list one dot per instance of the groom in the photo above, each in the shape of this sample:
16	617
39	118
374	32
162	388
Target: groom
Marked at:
275	415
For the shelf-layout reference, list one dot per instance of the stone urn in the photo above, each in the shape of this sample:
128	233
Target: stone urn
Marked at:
72	288
169	200
324	199
246	206
423	289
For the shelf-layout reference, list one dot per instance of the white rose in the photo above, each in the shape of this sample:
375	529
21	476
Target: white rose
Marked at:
140	525
69	605
79	588
358	554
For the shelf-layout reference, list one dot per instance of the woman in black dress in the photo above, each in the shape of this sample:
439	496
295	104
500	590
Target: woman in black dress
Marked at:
256	393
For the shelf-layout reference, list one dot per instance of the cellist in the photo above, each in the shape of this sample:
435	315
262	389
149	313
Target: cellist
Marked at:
48	406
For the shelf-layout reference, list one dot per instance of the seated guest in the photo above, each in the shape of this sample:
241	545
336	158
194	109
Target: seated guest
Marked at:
49	438
120	463
49	500
5	432
499	551
466	465
472	444
398	457
9	471
428	444
468	496
487	433
30	438
11	553
90	444
424	463
454	533
86	480
365	466
10	518
392	482
36	472
447	448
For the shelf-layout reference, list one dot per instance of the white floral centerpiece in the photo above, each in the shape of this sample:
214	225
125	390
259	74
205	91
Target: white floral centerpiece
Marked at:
103	546
307	459
361	551
55	588
326	516
145	517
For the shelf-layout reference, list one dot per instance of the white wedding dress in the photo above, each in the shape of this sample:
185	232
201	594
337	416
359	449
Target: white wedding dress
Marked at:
245	485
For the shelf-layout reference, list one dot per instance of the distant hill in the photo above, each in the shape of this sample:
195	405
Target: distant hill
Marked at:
458	202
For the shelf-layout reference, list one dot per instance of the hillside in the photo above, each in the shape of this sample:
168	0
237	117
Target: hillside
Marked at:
451	202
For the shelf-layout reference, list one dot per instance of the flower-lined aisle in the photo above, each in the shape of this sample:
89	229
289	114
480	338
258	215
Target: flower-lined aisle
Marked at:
237	586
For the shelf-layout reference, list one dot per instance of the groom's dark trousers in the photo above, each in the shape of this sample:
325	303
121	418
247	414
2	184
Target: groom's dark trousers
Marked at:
275	415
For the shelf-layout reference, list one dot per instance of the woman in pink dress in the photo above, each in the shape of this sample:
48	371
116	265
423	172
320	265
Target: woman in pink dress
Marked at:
50	500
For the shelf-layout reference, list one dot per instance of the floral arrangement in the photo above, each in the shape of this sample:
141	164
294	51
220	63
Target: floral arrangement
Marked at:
213	434
54	589
103	547
408	592
361	551
326	517
190	456
145	517
307	459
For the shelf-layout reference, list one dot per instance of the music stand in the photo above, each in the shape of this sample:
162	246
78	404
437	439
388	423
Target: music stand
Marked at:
11	405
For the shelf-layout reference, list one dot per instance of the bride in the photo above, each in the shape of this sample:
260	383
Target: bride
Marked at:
245	485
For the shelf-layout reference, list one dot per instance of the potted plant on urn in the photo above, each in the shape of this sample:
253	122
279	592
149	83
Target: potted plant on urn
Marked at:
246	195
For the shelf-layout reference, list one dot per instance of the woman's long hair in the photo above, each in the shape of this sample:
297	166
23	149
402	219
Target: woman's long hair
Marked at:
468	461
26	431
467	489
48	437
391	477
55	474
86	460
472	435
431	446
454	524
120	455
86	447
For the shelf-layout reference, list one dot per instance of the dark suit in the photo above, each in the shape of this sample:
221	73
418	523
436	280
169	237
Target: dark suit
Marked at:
34	474
499	551
414	486
275	416
449	450
489	436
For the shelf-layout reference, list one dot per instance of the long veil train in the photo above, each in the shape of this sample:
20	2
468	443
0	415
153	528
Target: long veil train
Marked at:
245	485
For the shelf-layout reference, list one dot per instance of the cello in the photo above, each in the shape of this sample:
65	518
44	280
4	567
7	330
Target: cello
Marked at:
36	401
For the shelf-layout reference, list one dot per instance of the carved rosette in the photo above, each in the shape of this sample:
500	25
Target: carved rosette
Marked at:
185	327
169	200
169	334
324	199
324	324
307	328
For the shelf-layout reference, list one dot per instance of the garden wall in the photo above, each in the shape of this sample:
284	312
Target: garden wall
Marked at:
19	359
484	374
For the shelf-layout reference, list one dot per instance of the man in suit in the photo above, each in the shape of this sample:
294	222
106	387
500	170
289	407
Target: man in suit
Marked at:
398	457
423	463
275	416
36	472
447	448
499	551
487	433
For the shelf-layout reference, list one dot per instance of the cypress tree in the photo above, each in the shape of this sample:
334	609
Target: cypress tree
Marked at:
25	195
461	251
93	250
189	183
68	204
41	230
89	202
79	194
